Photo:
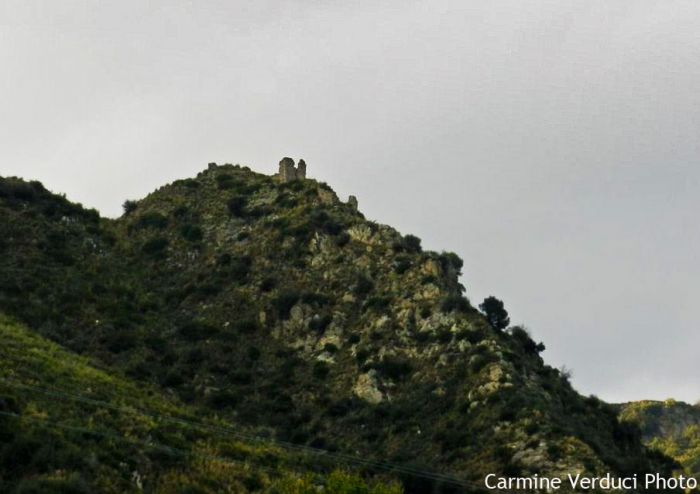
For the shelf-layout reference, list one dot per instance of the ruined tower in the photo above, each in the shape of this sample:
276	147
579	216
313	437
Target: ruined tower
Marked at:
301	170
288	171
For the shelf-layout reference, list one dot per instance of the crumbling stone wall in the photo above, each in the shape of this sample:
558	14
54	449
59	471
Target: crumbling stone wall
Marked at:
288	171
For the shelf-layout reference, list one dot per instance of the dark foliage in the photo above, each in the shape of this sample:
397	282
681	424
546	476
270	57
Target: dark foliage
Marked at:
495	313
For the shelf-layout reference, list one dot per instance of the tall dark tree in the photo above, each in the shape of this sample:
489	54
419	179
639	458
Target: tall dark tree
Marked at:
495	313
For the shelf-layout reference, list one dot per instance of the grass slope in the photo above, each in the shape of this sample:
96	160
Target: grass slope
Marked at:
67	426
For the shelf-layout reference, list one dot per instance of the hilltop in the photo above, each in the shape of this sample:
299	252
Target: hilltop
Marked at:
275	306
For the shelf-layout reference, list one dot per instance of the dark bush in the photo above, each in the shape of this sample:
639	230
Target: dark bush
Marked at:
321	220
495	313
254	353
451	261
224	181
316	299
377	303
180	211
153	220
363	286
402	264
246	325
342	239
236	206
155	246
412	244
240	266
455	302
321	370
320	323
189	183
267	284
523	338
394	367
191	233
129	206
223	399
284	302
197	330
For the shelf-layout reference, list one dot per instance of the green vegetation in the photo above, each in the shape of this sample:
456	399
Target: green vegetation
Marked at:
277	309
495	313
67	426
669	427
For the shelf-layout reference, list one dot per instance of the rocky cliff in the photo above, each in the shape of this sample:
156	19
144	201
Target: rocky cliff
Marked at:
278	308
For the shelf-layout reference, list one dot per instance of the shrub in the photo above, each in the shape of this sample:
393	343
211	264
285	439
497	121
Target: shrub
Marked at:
181	211
197	330
223	399
72	484
191	233
239	268
455	302
236	206
224	181
394	367
321	220
155	246
363	286
267	284
320	323
450	260
152	219
342	239
129	206
317	299
402	264
284	302
377	303
412	244
321	370
189	183
523	338
246	325
254	353
495	313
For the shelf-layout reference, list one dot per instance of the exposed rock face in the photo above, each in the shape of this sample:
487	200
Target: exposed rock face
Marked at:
367	388
269	302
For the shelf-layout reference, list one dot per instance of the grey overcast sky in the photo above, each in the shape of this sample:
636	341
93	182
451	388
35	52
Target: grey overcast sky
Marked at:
554	145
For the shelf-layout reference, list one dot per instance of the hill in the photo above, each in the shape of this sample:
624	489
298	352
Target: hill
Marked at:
67	426
670	427
280	308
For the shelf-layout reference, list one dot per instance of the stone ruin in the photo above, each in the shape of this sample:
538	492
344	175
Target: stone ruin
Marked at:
289	172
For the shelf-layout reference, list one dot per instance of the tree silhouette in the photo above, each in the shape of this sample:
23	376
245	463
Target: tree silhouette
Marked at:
495	313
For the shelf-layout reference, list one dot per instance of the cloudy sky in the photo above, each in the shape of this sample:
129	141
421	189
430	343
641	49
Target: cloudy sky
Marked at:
554	145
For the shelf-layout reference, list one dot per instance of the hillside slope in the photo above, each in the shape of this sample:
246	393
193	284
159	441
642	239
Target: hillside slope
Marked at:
671	427
280	307
67	426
